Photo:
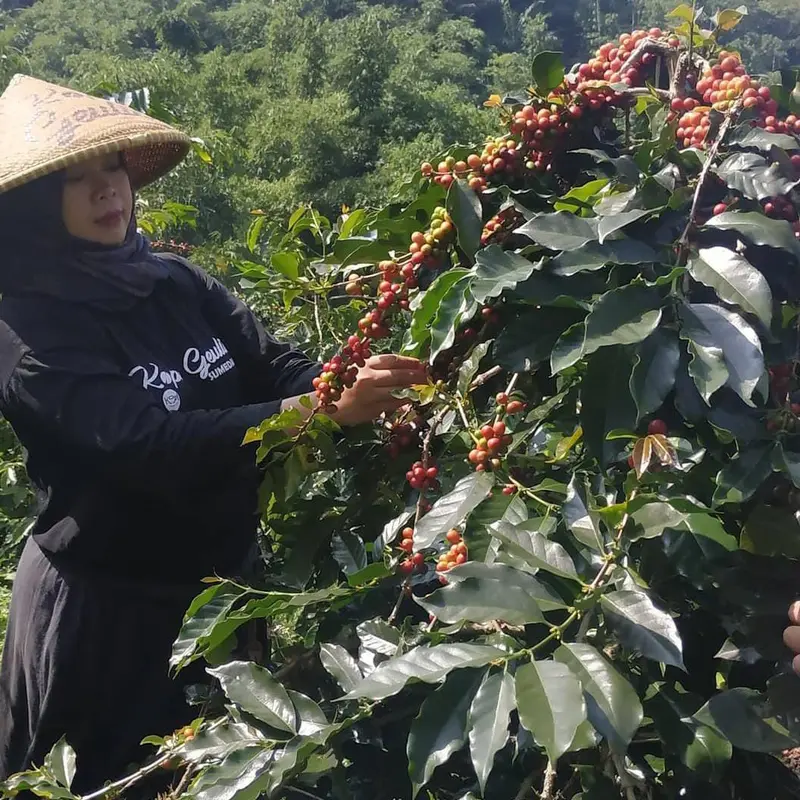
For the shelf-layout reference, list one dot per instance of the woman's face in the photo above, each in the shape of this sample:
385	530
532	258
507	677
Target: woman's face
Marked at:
97	200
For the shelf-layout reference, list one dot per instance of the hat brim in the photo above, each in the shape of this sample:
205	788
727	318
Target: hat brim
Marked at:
148	157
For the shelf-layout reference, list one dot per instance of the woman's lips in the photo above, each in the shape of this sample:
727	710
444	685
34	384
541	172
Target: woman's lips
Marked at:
110	219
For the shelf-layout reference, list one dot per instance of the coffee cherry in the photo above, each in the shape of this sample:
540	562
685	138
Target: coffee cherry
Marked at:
515	406
719	208
657	426
453	536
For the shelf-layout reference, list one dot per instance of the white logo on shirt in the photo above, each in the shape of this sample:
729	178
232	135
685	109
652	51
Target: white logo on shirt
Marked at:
172	400
207	365
200	364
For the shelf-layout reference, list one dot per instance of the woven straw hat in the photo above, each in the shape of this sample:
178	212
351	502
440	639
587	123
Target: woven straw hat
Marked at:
45	127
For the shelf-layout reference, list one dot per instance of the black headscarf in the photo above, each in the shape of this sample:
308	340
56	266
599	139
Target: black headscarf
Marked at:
39	256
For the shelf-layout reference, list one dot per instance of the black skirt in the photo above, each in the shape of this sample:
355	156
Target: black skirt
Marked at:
86	656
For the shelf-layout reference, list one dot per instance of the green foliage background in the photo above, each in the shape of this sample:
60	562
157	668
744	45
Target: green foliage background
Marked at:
331	101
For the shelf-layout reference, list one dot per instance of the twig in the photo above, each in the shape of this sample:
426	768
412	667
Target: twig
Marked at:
730	117
178	790
317	320
584	627
549	785
485	376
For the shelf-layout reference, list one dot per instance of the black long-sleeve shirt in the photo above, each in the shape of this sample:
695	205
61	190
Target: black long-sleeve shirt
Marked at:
133	423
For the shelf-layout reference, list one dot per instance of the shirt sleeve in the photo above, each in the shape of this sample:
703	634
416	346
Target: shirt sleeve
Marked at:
270	370
84	404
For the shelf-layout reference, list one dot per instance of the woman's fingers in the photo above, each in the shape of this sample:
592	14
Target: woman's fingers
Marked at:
791	638
794	612
398	378
391	361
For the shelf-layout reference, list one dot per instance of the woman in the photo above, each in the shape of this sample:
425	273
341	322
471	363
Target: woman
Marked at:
131	380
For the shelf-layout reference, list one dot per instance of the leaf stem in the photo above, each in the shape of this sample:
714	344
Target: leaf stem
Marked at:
549	785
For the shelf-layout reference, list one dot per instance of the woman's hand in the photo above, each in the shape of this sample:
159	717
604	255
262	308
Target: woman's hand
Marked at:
791	636
371	394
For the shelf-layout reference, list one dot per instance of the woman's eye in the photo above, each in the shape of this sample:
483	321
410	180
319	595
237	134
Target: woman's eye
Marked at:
74	178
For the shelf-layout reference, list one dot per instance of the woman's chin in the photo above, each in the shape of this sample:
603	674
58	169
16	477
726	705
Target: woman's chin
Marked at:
111	237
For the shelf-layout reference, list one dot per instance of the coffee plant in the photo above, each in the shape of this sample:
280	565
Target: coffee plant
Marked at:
562	569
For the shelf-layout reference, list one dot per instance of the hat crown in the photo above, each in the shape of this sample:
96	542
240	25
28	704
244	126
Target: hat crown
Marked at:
45	127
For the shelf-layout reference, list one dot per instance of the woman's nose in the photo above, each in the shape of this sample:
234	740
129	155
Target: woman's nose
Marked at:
102	188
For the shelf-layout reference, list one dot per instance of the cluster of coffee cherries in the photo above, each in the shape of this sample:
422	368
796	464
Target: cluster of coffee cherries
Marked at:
723	83
423	478
510	405
491	441
415	561
427	249
780	208
610	63
402	435
457	554
449	170
726	80
542	128
500	226
171	246
341	371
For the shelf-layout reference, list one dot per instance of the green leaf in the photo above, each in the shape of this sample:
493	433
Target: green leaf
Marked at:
510	577
643	627
593	256
440	728
469	366
735	280
547	72
609	225
254	233
349	552
581	198
604	408
622	316
497	270
702	749
746	718
529	338
535	549
377	636
560	231
551	705
654	369
684	12
740	479
481	600
728	19
488	722
754	176
453	508
254	690
713	331
341	665
243	775
758	229
418	333
745	136
456	305
771	531
426	664
60	762
464	207
287	263
583	522
354	222
201	623
653	518
612	705
311	717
